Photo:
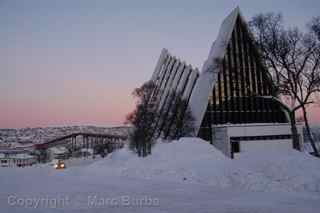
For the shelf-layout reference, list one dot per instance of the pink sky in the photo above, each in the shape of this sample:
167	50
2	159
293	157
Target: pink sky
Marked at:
103	113
77	62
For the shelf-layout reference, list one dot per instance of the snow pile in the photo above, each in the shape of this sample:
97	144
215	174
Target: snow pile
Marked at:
192	160
284	170
177	161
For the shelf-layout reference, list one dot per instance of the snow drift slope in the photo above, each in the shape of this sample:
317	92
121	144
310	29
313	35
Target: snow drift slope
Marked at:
192	160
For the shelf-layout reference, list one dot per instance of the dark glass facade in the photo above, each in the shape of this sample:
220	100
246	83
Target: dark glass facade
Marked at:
242	81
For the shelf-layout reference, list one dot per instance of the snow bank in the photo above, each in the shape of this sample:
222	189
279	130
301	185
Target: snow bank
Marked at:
188	175
192	160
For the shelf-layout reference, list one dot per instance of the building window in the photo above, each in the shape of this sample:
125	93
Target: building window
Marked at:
235	146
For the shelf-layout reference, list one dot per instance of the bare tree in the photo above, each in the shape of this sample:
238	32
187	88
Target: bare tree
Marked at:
143	120
314	25
293	57
180	118
184	125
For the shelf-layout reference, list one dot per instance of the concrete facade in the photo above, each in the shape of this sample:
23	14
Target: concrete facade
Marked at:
248	135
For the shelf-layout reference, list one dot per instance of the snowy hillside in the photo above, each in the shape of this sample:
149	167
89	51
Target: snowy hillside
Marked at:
188	175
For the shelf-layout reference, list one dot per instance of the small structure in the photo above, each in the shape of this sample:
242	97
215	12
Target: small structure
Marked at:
86	151
17	159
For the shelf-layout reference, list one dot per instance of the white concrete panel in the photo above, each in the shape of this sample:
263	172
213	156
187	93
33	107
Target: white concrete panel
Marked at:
184	79
167	74
168	87
163	55
164	84
163	70
208	76
265	145
191	81
178	76
258	130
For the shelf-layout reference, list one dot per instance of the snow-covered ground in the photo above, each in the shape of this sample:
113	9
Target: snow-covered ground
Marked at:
315	129
188	175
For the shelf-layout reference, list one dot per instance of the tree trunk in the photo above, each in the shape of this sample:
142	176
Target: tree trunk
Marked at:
144	149
149	148
294	131
305	117
139	149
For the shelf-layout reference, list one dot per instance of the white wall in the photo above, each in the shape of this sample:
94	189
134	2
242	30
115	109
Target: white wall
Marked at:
245	130
258	130
265	145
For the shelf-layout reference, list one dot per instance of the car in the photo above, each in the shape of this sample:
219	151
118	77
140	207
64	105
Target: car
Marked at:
60	165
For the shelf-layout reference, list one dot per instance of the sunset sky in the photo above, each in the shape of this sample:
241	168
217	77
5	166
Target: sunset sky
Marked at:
77	62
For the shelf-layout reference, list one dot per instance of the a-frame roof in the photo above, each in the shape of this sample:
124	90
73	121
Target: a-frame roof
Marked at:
208	76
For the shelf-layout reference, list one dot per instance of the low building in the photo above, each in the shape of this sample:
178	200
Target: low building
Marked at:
17	160
3	160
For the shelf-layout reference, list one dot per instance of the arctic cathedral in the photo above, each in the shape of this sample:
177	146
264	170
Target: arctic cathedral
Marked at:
233	99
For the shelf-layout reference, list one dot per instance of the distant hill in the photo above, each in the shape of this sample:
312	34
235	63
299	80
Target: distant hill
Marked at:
43	134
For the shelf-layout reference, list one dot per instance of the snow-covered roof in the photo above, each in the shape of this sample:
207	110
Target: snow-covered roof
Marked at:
208	76
58	150
17	156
